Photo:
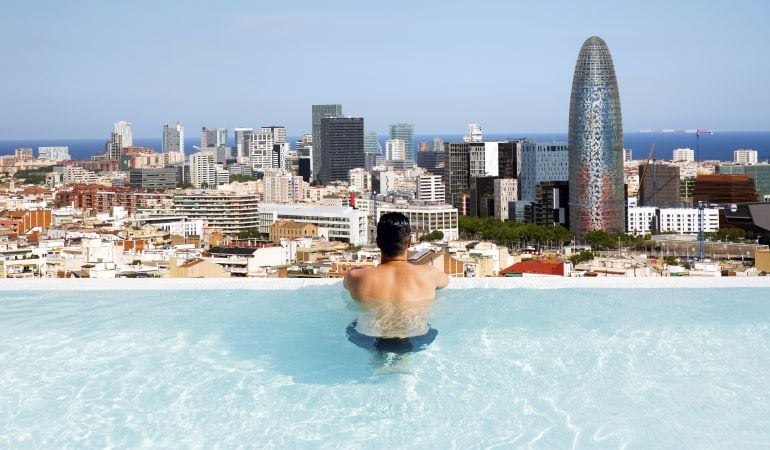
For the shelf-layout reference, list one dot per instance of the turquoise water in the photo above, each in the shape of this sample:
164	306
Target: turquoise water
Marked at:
581	368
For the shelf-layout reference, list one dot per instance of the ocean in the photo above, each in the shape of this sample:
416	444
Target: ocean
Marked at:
718	146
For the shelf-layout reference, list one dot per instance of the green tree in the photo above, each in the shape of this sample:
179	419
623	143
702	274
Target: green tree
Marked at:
435	235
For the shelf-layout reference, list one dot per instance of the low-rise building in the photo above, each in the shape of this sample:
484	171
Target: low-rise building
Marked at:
287	229
334	223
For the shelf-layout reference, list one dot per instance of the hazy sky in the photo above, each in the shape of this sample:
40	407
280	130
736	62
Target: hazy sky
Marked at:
72	68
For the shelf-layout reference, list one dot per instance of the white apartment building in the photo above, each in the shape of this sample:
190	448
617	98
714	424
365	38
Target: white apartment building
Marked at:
78	175
261	150
335	223
395	150
204	171
542	161
284	188
506	190
232	212
425	218
360	180
431	188
628	155
745	156
54	153
684	155
642	220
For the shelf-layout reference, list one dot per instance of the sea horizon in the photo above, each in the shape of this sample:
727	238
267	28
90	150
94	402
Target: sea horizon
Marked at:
717	146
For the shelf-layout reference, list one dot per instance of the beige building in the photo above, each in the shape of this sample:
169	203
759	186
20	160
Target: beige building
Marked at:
287	229
762	260
196	268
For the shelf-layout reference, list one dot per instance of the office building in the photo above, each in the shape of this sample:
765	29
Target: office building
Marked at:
124	129
542	161
430	188
173	138
457	173
335	223
550	206
113	149
213	137
508	159
304	167
424	218
505	191
483	159
405	132
482	196
372	143
432	161
278	132
659	185
724	189
395	150
319	112
164	178
595	144
261	150
342	147
759	172
683	155
628	155
54	153
231	212
745	156
242	141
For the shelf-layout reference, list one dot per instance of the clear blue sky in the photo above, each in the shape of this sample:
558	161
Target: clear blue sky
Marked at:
70	69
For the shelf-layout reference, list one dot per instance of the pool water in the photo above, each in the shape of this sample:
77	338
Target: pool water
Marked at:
565	368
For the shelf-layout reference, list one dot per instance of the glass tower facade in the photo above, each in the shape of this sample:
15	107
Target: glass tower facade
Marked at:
405	132
319	112
596	197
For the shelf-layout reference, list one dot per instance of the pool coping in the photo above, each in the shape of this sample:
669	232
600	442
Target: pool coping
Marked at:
187	284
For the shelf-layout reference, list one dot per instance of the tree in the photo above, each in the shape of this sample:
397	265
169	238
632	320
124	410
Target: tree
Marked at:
435	235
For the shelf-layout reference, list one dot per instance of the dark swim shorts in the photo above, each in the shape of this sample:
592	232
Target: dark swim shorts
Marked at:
392	345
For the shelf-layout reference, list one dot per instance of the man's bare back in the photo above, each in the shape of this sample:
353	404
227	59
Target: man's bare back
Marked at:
394	296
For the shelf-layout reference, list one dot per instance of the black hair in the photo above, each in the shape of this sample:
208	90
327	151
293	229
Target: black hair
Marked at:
393	233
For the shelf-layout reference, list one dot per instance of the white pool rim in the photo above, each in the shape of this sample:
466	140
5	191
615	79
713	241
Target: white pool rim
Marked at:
188	284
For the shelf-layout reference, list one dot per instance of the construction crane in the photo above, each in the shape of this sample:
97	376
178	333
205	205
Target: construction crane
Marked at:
702	205
650	159
697	132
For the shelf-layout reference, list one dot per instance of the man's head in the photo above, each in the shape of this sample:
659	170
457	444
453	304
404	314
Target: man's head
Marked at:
393	234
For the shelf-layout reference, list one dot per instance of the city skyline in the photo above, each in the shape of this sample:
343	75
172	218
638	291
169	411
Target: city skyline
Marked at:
671	78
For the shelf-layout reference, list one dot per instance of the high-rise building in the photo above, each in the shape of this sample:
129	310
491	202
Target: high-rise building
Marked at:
242	139
278	132
372	143
482	196
124	129
24	154
596	194
509	159
342	147
628	155
457	173
284	188
213	137
173	138
505	192
745	156
319	112
405	132
360	180
261	150
430	188
205	172
683	155
114	147
659	185
395	150
432	161
542	161
483	159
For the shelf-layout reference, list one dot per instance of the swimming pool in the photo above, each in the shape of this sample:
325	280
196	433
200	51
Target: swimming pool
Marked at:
178	366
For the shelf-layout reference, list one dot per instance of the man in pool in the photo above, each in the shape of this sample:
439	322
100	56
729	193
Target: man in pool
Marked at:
395	296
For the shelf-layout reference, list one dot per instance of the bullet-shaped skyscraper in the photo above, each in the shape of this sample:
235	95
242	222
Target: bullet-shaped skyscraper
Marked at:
595	143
